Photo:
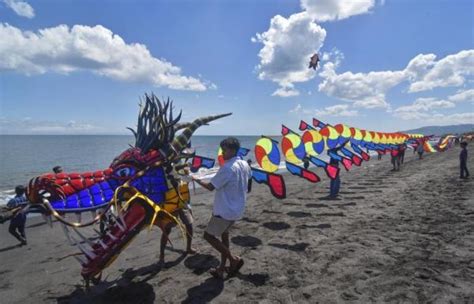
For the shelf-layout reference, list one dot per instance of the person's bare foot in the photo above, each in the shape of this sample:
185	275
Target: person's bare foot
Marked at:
161	261
191	250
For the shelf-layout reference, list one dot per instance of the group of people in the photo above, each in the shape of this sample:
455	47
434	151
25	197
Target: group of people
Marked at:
398	156
231	185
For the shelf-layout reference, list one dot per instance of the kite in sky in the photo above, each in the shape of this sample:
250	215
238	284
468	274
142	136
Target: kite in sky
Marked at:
313	62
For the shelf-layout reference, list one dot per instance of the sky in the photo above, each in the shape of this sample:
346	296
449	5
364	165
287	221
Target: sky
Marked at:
81	67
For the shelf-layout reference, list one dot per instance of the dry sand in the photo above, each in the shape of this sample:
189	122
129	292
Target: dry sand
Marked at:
392	237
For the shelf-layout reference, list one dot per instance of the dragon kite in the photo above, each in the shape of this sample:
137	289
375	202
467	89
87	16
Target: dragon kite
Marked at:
139	189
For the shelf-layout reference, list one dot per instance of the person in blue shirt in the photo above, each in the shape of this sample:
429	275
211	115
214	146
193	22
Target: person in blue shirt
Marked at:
17	223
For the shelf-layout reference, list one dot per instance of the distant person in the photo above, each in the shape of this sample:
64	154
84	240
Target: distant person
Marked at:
335	183
17	223
420	150
231	185
306	162
379	155
57	169
185	215
463	160
402	148
395	159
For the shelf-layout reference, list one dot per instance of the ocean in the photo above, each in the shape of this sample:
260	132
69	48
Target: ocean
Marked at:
23	157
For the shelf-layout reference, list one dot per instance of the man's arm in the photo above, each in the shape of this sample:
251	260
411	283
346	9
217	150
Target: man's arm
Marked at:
203	184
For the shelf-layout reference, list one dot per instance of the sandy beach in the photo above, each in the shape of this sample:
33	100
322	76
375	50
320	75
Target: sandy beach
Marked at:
392	237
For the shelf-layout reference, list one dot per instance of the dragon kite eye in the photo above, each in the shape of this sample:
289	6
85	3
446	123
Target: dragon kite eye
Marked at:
125	172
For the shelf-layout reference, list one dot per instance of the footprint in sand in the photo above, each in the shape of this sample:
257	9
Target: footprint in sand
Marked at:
246	219
320	226
270	211
276	225
299	214
331	214
355	197
345	205
257	279
317	206
296	247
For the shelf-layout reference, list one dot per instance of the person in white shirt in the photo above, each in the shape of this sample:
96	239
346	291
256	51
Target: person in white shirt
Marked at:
231	184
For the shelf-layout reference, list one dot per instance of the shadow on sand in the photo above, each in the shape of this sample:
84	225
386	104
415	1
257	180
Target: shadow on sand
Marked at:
10	248
276	225
204	292
201	263
246	241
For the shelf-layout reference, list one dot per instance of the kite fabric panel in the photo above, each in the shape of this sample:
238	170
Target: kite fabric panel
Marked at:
274	181
428	147
313	140
331	136
201	162
292	147
241	153
302	172
318	124
356	159
331	171
267	154
346	162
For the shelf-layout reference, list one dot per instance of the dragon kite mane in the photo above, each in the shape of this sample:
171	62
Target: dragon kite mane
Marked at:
156	124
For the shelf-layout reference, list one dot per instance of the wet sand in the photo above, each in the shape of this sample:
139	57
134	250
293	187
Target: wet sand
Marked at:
391	237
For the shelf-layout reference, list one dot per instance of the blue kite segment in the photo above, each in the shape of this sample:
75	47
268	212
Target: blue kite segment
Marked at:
274	181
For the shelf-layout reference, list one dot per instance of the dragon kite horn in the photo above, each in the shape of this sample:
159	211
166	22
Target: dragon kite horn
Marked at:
182	140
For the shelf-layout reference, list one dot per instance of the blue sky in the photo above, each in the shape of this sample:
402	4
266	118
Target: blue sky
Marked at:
79	67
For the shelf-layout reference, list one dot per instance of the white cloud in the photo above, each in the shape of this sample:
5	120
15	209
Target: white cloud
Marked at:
297	109
327	10
96	49
428	74
425	104
366	90
336	110
21	8
28	125
425	109
451	119
287	46
286	91
461	96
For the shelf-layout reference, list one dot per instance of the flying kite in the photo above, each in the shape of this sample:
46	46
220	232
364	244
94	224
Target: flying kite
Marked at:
313	62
